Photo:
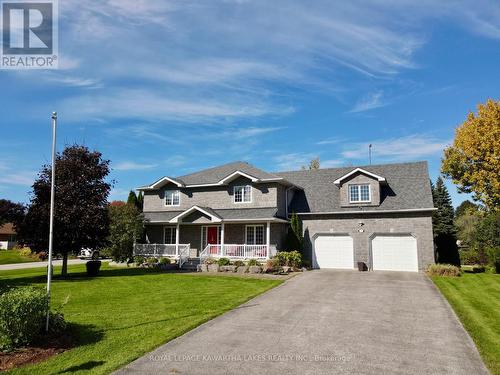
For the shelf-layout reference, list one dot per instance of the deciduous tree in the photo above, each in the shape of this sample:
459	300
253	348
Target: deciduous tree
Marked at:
125	228
473	161
81	193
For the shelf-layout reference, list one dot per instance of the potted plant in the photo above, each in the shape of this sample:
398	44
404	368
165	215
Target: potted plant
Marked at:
93	267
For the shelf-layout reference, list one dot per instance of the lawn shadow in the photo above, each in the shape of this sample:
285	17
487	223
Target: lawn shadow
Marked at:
89	365
80	276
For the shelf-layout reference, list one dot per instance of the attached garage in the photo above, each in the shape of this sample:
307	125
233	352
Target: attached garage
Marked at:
394	253
333	251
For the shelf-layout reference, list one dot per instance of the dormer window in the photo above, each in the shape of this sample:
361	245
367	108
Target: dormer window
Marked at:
242	194
172	197
359	193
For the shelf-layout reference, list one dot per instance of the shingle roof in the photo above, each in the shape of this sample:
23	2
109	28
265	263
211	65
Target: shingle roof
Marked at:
407	187
7	228
225	214
215	174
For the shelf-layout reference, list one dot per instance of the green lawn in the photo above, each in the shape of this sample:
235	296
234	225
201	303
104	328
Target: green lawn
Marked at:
124	313
14	256
476	300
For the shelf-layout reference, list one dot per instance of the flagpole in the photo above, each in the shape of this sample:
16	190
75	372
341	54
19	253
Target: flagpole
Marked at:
51	225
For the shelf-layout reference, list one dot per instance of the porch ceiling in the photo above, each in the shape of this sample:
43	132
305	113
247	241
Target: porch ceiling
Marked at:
226	215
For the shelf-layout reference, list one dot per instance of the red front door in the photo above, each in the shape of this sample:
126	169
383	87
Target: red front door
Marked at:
212	239
212	235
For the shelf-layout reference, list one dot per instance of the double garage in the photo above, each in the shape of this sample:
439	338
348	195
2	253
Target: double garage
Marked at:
387	252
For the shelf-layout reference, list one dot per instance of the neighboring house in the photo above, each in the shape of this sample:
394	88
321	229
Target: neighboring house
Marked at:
8	236
379	215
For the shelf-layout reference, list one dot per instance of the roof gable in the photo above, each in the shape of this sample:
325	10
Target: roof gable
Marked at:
346	176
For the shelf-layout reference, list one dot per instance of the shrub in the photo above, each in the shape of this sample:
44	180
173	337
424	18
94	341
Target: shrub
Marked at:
42	255
152	260
164	260
223	262
57	324
22	316
494	258
253	262
443	270
93	267
272	265
139	259
238	263
25	252
289	258
473	256
210	260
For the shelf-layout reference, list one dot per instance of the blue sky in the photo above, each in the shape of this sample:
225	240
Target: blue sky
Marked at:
169	87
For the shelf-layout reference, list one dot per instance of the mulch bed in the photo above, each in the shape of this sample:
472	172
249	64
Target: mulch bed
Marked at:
43	350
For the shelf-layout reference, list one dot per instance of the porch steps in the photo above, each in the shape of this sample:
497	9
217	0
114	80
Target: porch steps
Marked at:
191	264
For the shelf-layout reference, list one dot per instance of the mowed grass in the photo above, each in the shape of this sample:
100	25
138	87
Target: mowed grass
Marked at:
14	256
476	300
125	313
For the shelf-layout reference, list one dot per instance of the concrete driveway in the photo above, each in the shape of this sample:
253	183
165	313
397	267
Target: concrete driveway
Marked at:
326	322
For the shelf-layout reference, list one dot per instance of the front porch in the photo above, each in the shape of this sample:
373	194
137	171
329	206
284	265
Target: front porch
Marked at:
251	240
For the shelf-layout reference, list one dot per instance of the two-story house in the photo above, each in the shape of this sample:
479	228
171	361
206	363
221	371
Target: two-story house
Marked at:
379	215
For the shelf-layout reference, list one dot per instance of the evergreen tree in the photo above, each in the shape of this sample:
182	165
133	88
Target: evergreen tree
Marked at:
295	239
443	225
132	198
140	201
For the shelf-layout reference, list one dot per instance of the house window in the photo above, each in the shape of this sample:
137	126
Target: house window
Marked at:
169	235
255	235
242	194
359	193
172	197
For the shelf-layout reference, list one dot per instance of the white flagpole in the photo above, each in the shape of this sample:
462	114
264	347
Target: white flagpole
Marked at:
51	225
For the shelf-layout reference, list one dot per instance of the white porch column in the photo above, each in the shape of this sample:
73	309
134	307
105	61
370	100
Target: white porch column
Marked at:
177	231
222	239
268	237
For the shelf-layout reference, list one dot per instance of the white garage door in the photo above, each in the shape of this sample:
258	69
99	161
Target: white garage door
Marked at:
333	252
395	253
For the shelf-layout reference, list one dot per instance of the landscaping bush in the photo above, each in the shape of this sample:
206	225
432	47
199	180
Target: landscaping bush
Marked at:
473	256
494	258
238	263
210	260
139	260
443	270
289	258
42	255
164	260
22	316
93	267
223	262
272	265
152	261
25	252
253	262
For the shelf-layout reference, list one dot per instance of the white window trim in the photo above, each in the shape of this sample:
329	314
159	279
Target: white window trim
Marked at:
242	186
172	190
164	235
253	226
359	193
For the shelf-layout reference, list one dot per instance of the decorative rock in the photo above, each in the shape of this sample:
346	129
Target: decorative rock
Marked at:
241	269
213	268
230	268
202	268
255	269
286	269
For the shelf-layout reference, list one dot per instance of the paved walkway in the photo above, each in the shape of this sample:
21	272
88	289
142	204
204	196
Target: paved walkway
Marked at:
327	322
18	266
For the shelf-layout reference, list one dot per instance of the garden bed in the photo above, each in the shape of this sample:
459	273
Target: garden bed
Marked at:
43	350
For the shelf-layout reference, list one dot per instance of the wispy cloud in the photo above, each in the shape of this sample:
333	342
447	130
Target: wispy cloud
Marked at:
370	101
132	166
331	141
22	178
405	148
117	194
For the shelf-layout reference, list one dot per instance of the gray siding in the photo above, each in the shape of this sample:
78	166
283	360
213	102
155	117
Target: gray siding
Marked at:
359	179
218	197
419	226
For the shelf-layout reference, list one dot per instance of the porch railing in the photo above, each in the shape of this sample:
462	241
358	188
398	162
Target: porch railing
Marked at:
235	251
160	249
